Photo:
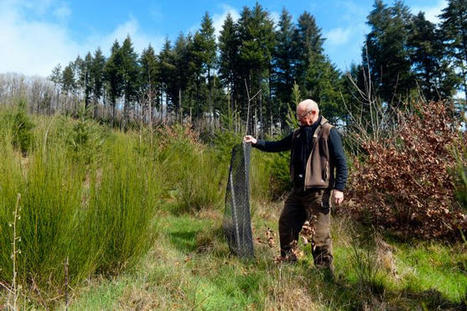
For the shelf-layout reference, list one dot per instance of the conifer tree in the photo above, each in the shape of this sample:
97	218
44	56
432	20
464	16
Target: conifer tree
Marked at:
256	33
204	46
434	77
130	73
308	43
228	58
323	84
283	62
114	77
56	78
149	77
167	73
454	32
56	75
68	79
97	78
85	68
187	64
386	54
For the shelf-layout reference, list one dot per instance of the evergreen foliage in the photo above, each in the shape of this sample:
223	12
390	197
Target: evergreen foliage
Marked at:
252	67
385	52
22	136
454	32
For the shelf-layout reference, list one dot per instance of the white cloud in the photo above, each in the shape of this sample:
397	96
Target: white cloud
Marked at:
431	12
32	46
338	36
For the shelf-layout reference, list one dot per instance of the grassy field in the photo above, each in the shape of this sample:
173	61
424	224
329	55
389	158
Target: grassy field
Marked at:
108	220
190	267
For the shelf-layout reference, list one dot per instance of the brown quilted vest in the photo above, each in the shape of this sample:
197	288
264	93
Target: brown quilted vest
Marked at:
317	171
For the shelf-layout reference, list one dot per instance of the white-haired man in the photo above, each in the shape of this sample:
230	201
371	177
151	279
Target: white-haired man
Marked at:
316	152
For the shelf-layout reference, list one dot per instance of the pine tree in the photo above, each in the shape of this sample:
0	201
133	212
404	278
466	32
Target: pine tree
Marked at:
323	84
283	61
167	73
85	68
386	52
425	46
454	32
256	33
97	78
78	66
228	57
149	77
68	79
130	73
187	65
114	77
56	75
308	43
56	78
204	49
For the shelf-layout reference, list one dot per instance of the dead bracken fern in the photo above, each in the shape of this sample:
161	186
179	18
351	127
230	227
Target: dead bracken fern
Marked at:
405	182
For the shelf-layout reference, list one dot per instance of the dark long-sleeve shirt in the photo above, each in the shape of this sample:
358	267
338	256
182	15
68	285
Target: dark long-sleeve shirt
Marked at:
336	152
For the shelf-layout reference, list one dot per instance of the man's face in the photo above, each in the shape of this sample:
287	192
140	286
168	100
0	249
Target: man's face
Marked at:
305	117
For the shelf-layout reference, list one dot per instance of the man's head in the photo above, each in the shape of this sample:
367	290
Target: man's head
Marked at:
307	112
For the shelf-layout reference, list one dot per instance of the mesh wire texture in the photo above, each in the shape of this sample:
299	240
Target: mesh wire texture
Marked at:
237	221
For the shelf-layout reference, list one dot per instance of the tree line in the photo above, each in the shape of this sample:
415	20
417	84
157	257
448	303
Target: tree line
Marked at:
255	70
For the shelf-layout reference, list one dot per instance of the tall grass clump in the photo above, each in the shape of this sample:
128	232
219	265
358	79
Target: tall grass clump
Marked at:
194	174
96	215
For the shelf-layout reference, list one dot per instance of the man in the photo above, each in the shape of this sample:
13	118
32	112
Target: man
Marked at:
316	152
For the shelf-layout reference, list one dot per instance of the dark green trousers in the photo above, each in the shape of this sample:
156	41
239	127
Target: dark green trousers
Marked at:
312	205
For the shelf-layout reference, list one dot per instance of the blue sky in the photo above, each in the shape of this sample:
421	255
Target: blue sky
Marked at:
37	35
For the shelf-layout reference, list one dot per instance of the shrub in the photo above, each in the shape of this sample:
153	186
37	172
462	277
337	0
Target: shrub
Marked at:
101	220
22	129
195	174
404	183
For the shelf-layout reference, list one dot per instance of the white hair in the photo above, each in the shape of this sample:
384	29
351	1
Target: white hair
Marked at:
308	105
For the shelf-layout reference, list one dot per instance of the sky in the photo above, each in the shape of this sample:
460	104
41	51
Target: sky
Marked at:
37	35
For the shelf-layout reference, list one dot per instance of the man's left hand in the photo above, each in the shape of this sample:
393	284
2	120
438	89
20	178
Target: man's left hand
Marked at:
338	196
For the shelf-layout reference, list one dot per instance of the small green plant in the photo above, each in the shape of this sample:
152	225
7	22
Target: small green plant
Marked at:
86	140
22	137
292	120
195	174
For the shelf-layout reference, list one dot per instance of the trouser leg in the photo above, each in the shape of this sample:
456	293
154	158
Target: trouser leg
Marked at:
290	222
321	241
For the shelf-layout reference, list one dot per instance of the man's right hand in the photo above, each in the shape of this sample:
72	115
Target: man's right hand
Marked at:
249	139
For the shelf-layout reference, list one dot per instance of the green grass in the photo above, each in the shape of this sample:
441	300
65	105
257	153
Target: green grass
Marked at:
433	265
190	265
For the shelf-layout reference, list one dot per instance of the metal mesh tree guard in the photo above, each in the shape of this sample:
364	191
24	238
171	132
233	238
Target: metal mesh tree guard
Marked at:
237	222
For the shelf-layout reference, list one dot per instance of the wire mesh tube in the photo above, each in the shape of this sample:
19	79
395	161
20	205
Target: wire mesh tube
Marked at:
237	221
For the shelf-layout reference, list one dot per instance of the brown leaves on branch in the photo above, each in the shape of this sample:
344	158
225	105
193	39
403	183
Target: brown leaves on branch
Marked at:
405	183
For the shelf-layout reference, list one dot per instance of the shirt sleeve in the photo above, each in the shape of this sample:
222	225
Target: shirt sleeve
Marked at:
275	146
338	156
